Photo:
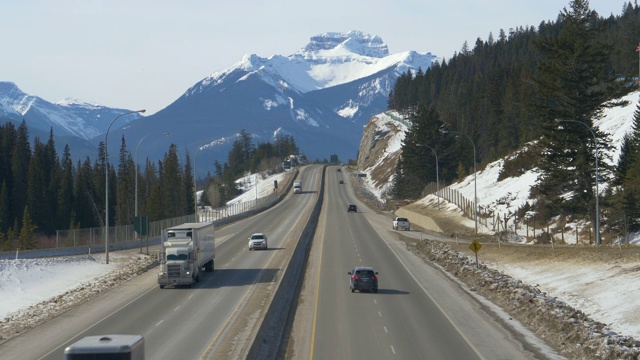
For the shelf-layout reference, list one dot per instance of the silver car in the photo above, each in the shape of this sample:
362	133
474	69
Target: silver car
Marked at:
258	241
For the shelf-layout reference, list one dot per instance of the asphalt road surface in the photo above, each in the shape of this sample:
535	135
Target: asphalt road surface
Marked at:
418	312
210	320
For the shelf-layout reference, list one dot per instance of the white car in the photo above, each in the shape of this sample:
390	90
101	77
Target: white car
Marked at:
258	241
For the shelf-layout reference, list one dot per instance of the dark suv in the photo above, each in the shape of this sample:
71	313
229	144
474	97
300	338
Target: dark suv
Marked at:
351	208
363	278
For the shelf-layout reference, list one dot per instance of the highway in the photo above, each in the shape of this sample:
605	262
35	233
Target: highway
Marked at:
205	321
418	312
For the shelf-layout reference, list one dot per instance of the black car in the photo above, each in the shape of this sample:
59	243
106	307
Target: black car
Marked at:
341	182
352	207
363	278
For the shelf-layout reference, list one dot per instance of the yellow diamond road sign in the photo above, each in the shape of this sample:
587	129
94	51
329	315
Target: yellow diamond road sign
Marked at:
475	246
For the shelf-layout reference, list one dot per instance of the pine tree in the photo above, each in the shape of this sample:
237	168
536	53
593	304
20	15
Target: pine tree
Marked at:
5	213
125	206
574	84
171	181
52	173
417	167
20	157
88	212
189	190
149	181
37	187
5	244
27	240
65	190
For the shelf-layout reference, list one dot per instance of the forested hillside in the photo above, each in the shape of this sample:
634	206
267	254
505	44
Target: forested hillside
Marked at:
41	192
544	85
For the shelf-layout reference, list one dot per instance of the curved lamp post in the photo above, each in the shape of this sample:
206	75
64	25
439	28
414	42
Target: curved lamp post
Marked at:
475	175
106	181
136	191
437	177
595	144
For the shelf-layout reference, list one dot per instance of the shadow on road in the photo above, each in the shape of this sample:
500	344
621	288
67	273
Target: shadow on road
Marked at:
235	277
392	292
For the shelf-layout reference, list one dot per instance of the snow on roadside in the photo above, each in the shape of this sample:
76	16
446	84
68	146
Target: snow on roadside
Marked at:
26	282
255	186
37	290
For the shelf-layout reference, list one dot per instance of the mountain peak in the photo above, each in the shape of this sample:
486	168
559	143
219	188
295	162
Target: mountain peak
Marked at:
354	41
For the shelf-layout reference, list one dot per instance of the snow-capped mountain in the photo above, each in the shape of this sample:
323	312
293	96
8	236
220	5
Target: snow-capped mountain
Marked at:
68	118
323	95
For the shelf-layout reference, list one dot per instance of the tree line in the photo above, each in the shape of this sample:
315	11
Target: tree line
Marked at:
539	92
245	157
41	192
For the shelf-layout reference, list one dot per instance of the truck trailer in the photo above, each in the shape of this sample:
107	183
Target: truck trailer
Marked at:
186	250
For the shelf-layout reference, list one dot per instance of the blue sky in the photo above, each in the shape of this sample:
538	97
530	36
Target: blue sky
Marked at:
146	53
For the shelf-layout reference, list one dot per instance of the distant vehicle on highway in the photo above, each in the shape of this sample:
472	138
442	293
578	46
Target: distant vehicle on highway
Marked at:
401	223
297	187
258	241
363	278
341	182
339	170
352	207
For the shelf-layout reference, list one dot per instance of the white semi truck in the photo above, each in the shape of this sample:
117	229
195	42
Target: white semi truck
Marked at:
297	187
186	250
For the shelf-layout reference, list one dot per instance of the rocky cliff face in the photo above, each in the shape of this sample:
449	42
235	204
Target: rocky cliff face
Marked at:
380	150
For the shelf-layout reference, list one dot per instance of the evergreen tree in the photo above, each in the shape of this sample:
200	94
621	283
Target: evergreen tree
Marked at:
13	233
65	191
37	188
627	177
27	240
8	136
125	206
158	202
574	84
88	212
5	244
20	158
189	191
417	167
149	181
52	174
5	212
172	185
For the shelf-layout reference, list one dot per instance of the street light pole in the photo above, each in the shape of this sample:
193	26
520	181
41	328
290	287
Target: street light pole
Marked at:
136	166
437	177
475	176
595	144
106	181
